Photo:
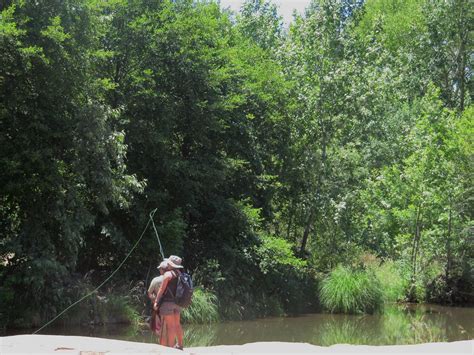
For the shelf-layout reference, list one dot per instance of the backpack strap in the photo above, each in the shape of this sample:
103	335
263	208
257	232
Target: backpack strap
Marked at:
175	275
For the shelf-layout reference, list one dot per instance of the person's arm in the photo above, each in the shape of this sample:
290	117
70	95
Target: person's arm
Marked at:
151	296
150	292
152	289
167	277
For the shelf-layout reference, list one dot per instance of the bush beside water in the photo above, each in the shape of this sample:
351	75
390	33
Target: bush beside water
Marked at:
365	288
393	284
351	291
113	307
203	308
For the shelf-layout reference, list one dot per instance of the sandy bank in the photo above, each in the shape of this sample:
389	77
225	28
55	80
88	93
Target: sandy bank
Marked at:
75	345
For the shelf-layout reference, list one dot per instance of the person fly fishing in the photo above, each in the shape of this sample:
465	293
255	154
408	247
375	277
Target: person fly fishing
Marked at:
166	307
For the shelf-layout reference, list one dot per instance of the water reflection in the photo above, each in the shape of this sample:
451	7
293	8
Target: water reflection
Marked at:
202	335
398	324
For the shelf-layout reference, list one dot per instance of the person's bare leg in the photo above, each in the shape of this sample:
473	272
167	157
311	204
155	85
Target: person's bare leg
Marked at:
164	331
179	330
171	331
158	326
163	339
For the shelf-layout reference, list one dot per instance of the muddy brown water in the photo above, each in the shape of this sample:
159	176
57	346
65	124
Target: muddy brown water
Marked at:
397	324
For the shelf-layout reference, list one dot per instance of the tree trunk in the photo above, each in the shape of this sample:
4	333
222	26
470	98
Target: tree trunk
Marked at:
290	220
307	229
448	254
462	65
414	253
313	209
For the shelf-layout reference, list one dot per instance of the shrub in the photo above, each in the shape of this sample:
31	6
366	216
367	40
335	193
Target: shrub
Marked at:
286	281
348	291
428	281
117	309
270	306
392	283
277	253
203	308
111	306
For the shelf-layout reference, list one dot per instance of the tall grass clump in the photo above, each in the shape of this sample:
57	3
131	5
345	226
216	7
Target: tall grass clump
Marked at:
351	291
203	308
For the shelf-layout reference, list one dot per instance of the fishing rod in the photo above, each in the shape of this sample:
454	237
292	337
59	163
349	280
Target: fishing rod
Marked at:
152	214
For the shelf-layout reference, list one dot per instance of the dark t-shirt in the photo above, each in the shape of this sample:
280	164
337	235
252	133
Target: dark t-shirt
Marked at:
170	291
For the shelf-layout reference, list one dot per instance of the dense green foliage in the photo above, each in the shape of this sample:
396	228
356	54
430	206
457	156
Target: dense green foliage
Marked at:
393	284
272	154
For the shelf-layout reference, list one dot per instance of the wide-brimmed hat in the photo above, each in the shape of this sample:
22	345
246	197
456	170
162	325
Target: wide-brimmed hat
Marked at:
175	262
163	264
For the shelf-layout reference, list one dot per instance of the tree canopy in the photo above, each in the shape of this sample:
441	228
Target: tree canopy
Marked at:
272	154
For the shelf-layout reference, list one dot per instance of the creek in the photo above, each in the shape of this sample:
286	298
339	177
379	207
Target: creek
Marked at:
397	324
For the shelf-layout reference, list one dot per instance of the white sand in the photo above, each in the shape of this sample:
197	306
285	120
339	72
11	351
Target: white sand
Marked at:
75	345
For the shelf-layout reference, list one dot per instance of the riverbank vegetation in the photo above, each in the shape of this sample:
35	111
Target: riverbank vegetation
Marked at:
348	291
203	308
283	161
